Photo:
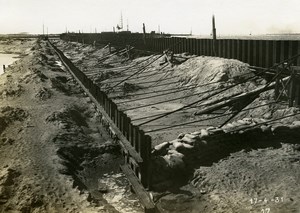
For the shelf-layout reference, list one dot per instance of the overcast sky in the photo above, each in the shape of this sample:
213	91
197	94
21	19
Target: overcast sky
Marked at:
233	17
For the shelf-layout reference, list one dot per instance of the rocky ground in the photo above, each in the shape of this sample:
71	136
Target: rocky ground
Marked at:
54	154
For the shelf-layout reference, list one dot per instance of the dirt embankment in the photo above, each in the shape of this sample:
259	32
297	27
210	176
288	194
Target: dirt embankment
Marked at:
54	154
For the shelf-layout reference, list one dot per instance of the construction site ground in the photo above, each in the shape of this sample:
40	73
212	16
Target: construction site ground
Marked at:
57	158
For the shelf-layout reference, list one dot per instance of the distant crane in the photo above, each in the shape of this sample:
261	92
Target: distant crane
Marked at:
120	27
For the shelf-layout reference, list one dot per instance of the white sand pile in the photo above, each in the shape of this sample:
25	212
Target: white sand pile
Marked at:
202	70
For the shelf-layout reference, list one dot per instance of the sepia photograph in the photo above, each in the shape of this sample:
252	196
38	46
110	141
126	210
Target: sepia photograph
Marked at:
150	106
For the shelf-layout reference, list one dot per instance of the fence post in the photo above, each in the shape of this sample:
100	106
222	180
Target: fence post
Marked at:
291	90
134	137
244	50
210	47
125	124
118	119
177	44
113	107
130	133
234	48
282	52
147	156
268	58
297	93
204	45
238	50
186	45
292	50
255	53
224	48
249	52
298	52
277	83
201	47
261	55
228	54
143	169
197	47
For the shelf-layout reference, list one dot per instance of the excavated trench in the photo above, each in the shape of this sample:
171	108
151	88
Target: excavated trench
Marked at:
92	161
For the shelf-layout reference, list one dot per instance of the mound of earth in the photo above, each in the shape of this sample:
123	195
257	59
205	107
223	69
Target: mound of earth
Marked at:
203	70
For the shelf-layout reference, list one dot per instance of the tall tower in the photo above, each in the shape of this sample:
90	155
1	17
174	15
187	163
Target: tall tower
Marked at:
214	34
144	33
121	21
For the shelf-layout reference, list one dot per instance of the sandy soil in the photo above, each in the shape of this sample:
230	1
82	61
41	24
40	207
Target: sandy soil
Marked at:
246	181
55	157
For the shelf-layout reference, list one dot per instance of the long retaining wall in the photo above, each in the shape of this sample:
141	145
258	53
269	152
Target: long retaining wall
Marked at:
261	53
135	143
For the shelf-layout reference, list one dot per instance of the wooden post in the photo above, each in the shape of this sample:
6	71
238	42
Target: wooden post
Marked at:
233	49
220	43
244	50
202	47
268	53
143	169
130	132
290	50
297	93
238	50
255	53
119	120
147	154
261	55
228	54
249	52
277	85
297	52
124	121
3	67
282	52
135	138
275	52
224	46
140	137
292	89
